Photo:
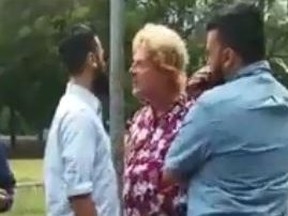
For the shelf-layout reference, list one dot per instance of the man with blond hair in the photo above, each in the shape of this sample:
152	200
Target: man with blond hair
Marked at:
159	61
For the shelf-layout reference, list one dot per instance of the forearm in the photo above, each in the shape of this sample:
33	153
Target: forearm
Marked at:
83	205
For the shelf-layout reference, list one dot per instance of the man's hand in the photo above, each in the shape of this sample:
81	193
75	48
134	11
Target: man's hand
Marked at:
83	205
5	200
201	76
201	80
169	179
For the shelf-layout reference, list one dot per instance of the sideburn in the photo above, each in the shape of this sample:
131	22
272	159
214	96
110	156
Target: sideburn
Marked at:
176	81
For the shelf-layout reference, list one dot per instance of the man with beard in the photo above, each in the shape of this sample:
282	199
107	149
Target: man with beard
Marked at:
233	145
79	174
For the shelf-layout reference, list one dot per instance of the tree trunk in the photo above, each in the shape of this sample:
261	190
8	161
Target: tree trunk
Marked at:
12	127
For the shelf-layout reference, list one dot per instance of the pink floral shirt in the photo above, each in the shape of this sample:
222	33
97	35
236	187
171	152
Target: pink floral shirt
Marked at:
146	144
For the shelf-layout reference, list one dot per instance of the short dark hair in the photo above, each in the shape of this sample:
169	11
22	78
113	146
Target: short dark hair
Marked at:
241	27
80	40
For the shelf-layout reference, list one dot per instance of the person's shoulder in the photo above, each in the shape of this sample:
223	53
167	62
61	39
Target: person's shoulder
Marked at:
71	110
218	96
140	114
71	103
70	107
3	147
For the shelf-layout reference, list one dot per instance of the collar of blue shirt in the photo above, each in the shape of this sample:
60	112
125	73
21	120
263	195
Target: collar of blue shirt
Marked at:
251	69
84	94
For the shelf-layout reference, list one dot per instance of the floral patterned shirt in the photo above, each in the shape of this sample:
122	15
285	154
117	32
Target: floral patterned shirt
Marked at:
146	145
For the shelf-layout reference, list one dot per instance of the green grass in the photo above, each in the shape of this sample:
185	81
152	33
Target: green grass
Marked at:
27	170
29	201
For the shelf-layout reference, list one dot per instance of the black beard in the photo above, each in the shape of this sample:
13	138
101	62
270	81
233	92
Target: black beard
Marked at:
100	84
100	88
219	76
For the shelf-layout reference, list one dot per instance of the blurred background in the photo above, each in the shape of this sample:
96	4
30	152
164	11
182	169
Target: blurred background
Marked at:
32	79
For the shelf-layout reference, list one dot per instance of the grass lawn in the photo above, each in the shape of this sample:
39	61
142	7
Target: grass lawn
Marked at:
29	201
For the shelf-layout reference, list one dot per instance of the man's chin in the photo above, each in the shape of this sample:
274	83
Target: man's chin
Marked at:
138	94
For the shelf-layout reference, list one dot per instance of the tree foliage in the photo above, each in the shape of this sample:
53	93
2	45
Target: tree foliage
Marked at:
32	79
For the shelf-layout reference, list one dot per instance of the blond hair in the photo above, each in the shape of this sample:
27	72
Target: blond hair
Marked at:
164	44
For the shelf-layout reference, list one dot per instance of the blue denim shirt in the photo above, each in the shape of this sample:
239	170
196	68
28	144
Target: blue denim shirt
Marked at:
78	157
232	148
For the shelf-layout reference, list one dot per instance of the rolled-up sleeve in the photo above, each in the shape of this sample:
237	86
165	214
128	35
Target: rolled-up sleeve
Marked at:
79	140
191	147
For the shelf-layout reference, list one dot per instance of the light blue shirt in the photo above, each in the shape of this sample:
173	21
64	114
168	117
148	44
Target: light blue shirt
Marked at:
78	156
232	148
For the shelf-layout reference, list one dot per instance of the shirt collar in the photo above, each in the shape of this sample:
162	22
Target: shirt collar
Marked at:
83	94
251	69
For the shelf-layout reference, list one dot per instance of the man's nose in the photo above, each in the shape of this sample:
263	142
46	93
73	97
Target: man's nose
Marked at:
132	71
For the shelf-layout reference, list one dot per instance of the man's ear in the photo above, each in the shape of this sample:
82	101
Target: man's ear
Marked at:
91	60
228	58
